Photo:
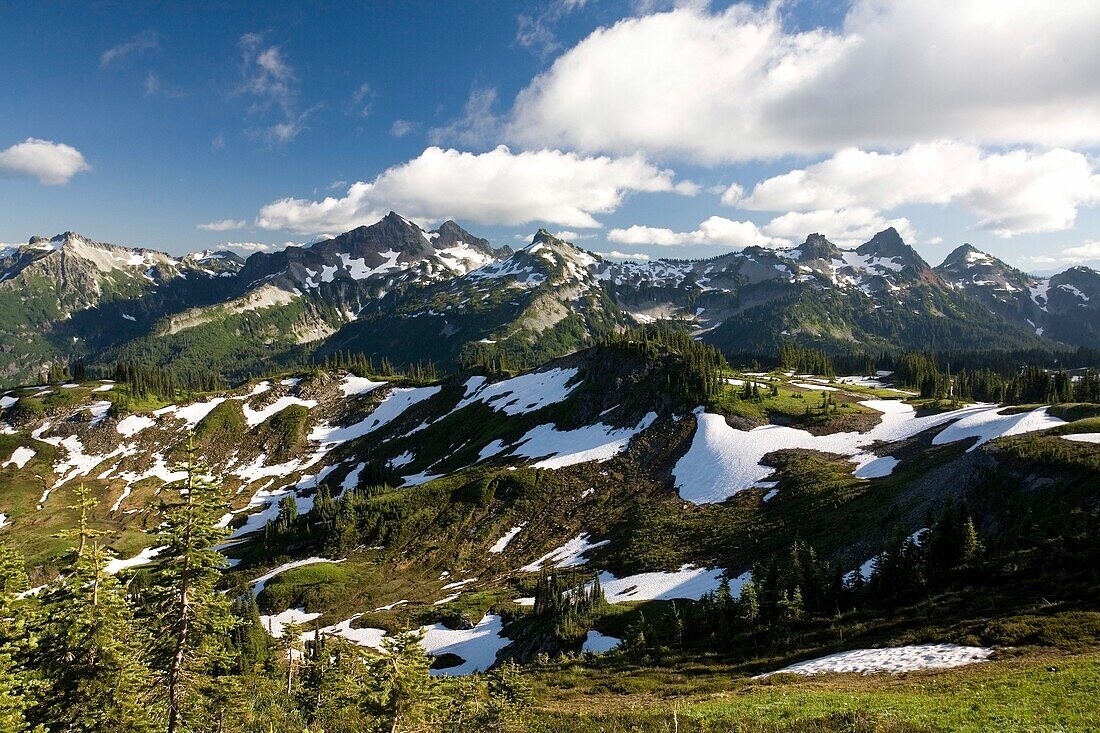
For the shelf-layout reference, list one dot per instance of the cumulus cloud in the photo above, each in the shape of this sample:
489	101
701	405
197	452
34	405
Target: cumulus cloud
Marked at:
568	235
224	225
716	230
535	31
844	227
496	187
1013	193
617	255
253	246
1087	251
141	42
53	164
895	73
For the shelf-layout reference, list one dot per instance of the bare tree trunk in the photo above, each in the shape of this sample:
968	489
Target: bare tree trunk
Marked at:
175	669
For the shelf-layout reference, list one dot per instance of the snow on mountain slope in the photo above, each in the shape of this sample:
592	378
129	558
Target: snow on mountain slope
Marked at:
522	394
723	461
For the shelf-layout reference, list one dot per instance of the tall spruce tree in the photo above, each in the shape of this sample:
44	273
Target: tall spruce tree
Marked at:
89	651
194	620
404	697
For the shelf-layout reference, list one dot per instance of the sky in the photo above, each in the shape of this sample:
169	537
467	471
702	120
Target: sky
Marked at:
636	128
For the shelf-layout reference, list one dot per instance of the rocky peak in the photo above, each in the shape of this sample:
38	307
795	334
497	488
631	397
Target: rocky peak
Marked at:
449	234
889	245
817	247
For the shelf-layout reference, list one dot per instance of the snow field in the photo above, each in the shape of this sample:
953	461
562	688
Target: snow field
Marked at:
477	647
688	582
1084	437
392	407
563	448
522	394
275	623
131	425
20	456
353	385
891	659
142	558
598	643
723	460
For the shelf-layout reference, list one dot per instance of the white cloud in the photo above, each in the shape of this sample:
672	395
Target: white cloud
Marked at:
268	77
617	255
360	100
156	87
259	246
1013	193
1087	251
478	124
401	128
716	230
845	227
732	195
496	187
738	84
224	225
53	164
535	31
141	42
571	236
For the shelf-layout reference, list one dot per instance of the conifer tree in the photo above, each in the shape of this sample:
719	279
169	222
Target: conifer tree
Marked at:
193	618
89	649
403	695
17	686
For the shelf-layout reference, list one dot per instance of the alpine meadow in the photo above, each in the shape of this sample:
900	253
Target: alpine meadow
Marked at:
596	366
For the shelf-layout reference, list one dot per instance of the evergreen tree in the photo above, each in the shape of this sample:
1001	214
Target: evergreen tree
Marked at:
18	690
509	695
403	695
192	617
89	649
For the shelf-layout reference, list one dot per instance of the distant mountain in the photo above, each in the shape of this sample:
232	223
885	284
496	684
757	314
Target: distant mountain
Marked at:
1061	307
70	296
542	301
393	290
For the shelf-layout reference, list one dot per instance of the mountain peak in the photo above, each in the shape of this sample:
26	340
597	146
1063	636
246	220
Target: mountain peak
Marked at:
817	247
966	255
888	244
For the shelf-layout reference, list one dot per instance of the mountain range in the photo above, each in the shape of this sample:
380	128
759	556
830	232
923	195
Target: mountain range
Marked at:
393	290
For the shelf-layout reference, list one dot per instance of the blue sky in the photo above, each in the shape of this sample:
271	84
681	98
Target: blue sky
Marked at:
626	123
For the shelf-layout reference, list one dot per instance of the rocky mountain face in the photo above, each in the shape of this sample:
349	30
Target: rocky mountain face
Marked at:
393	290
70	295
1060	308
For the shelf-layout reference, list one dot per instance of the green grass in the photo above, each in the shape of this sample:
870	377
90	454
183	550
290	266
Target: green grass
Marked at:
310	586
790	406
1042	692
1075	411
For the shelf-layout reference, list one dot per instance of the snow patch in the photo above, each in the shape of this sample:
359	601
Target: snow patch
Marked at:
502	543
892	659
568	555
20	456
